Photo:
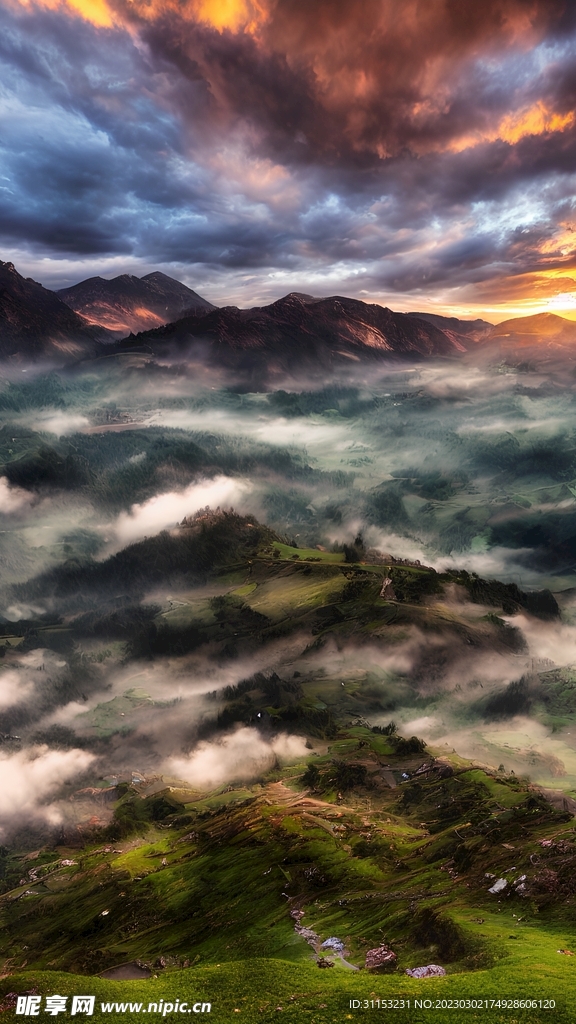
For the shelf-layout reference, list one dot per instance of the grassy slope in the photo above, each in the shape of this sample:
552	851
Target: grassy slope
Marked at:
219	897
262	989
362	866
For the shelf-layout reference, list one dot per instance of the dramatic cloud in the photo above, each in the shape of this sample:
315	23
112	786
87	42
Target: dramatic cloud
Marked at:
421	154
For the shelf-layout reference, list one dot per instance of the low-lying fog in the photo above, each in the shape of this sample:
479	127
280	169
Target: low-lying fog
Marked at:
454	465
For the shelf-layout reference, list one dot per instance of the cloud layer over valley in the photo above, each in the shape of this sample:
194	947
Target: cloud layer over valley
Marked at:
133	644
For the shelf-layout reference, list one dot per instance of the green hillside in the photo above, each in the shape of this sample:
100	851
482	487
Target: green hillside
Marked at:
368	836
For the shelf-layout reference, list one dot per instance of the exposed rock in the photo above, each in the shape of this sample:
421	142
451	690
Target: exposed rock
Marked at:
499	885
430	971
382	956
301	333
36	323
387	591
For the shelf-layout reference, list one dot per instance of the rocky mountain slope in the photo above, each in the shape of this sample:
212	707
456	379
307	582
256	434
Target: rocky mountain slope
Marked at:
297	335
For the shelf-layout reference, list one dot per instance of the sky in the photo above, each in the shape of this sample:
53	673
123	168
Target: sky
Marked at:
418	154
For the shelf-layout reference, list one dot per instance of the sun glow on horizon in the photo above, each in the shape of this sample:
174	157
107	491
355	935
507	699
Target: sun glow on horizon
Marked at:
563	305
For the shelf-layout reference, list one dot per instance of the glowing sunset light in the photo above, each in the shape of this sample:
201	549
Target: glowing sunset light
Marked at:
231	15
535	120
234	15
97	12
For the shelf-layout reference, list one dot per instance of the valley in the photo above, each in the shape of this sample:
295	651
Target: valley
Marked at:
287	662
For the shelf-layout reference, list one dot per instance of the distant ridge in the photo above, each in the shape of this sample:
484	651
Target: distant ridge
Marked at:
463	331
541	325
129	304
543	341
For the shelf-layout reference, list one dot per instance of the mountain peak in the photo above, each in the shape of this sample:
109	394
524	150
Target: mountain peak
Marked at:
129	304
157	275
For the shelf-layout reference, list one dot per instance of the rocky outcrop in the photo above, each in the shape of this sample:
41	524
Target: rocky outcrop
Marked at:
300	334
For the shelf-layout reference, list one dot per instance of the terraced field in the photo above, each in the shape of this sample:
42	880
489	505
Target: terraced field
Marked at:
355	835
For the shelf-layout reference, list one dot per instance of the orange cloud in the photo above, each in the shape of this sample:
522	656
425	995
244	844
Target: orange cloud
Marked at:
235	15
383	75
232	15
501	298
532	287
562	244
549	291
96	11
535	120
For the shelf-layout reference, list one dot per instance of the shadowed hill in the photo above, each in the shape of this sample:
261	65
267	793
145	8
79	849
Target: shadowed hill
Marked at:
34	322
288	588
202	543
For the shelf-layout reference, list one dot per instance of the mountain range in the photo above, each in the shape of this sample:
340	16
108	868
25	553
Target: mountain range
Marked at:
297	333
461	332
